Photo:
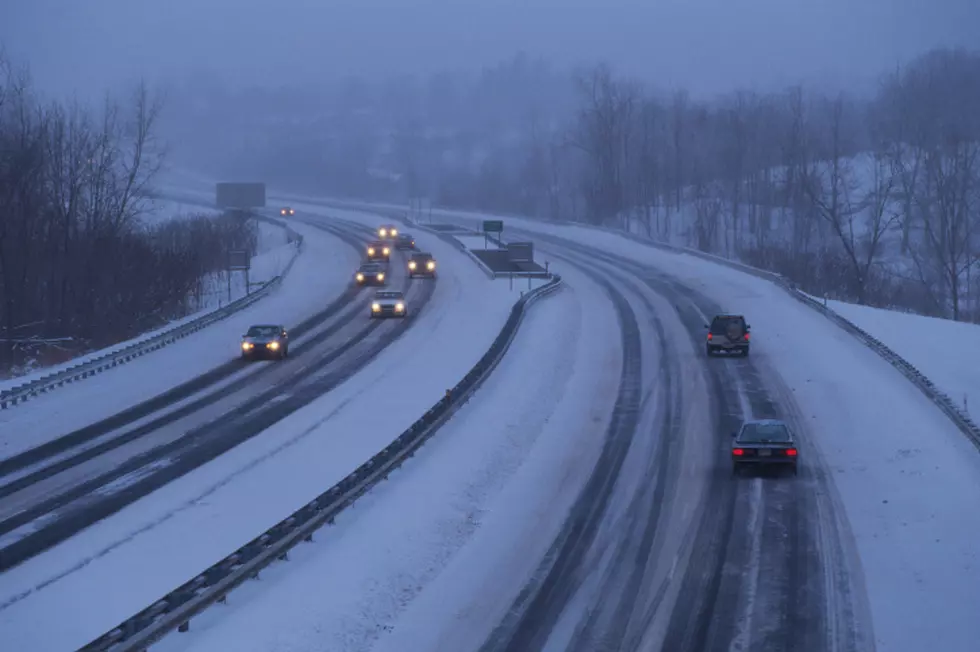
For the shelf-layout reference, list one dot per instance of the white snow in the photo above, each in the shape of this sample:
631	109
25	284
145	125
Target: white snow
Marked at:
74	592
908	479
439	549
319	275
945	351
475	242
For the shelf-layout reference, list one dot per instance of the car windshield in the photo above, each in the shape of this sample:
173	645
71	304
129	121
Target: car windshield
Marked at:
388	295
422	257
720	325
262	331
764	433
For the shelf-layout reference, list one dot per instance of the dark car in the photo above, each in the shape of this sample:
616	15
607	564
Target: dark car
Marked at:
388	303
285	211
422	264
387	232
378	250
766	442
370	274
265	341
405	241
728	333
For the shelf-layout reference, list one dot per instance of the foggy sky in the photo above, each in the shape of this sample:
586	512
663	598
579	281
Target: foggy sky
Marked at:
704	45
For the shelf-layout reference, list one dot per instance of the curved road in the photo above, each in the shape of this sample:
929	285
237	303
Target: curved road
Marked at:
50	493
664	548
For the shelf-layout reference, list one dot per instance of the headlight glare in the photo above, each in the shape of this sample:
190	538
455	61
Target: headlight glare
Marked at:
376	307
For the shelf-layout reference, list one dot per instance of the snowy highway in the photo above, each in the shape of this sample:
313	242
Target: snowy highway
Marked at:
583	499
115	465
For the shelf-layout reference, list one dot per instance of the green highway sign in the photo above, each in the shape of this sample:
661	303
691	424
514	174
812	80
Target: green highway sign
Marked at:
493	226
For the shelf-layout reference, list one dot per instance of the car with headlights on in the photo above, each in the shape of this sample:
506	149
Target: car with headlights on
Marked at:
265	341
405	241
387	232
286	211
764	443
378	250
388	303
370	274
422	264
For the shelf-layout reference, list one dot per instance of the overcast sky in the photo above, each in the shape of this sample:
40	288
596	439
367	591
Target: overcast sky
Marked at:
703	45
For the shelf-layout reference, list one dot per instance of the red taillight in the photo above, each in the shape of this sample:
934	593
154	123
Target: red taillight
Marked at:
737	452
746	337
709	336
791	452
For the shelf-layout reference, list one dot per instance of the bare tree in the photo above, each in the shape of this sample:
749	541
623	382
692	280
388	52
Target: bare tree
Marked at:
858	217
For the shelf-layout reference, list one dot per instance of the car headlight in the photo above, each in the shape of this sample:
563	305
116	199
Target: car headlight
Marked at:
430	265
394	232
381	277
360	277
386	251
273	345
411	265
370	251
292	211
282	212
399	307
376	307
382	232
246	345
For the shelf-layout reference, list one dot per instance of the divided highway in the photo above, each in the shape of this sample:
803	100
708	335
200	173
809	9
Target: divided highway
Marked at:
687	557
49	493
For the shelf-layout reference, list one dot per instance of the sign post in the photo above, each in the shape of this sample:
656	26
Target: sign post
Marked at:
491	226
238	261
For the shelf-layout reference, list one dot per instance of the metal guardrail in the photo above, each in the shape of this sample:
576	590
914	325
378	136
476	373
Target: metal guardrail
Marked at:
175	610
21	393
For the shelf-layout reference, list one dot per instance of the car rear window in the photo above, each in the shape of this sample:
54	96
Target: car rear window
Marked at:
719	325
760	433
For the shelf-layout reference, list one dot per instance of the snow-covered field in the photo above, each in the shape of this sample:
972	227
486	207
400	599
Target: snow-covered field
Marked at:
945	351
77	590
319	275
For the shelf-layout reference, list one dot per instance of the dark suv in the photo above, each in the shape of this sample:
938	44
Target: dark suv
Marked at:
728	333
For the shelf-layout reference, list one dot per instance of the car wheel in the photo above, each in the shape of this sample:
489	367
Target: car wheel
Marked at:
736	470
708	350
745	352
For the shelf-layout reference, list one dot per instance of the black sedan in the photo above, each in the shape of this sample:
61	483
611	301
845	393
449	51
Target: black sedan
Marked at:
265	341
405	241
764	443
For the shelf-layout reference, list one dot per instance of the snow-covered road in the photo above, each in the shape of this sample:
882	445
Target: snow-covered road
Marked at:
318	277
74	592
872	546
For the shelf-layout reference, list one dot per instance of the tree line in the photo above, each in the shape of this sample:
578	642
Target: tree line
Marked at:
874	200
80	266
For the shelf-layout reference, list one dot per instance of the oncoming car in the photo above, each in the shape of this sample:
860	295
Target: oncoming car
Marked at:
370	274
765	442
378	250
387	231
405	241
388	303
422	264
728	333
286	211
265	340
